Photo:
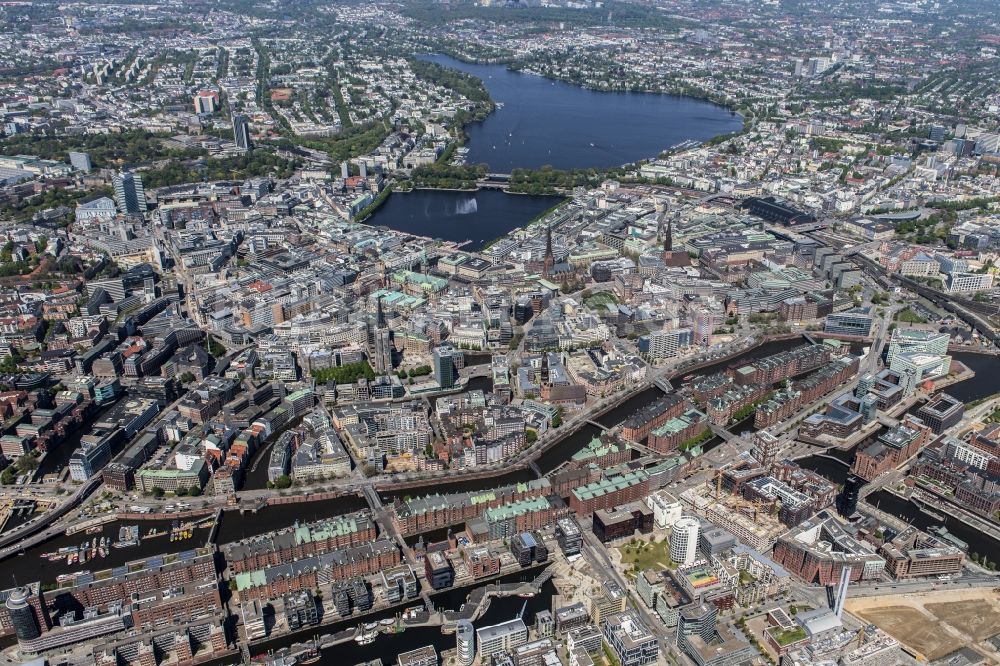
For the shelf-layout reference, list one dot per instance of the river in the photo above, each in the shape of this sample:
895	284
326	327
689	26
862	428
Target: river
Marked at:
543	122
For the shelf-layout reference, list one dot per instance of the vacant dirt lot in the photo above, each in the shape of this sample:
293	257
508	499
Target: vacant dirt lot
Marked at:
980	619
935	623
914	629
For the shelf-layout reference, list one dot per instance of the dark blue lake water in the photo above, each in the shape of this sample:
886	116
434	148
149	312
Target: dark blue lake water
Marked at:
539	121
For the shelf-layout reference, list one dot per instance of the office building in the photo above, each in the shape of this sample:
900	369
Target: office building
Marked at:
545	626
621	523
684	540
22	615
241	132
89	458
440	573
528	547
856	322
423	656
301	609
129	194
568	536
941	412
607	600
501	638
911	340
444	366
666	509
630	640
571	617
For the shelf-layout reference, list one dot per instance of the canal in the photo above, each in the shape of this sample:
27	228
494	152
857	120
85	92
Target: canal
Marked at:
31	566
238	525
388	647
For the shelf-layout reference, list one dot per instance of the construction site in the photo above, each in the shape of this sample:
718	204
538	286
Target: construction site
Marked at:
754	522
932	625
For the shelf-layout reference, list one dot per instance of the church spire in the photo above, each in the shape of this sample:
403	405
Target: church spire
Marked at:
380	315
549	260
668	240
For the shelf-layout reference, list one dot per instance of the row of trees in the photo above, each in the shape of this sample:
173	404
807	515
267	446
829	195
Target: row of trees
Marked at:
345	374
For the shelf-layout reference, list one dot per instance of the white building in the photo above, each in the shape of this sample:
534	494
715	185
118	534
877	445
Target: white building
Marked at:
665	507
960	283
503	637
684	540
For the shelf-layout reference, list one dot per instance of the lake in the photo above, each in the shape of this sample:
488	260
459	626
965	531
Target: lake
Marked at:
478	217
539	121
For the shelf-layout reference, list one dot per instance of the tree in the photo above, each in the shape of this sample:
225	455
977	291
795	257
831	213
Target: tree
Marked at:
186	378
194	491
27	463
157	492
282	482
181	491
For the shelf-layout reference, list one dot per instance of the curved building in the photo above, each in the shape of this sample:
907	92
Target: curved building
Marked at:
22	615
684	540
465	638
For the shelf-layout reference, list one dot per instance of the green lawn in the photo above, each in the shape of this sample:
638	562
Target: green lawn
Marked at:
600	300
908	316
641	555
787	636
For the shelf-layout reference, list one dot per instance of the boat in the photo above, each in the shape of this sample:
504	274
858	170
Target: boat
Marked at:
526	595
387	622
941	532
927	509
365	638
96	529
62	578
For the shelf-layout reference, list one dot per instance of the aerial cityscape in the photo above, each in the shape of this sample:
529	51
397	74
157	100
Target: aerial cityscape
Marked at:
500	333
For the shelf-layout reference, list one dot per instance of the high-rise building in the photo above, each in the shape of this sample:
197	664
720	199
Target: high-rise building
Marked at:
444	366
129	194
22	615
684	540
847	503
382	343
845	580
549	261
465	640
241	132
697	619
80	161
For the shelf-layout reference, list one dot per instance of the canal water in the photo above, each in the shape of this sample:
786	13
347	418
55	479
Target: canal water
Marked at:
236	525
984	384
478	217
31	567
543	122
387	648
905	510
